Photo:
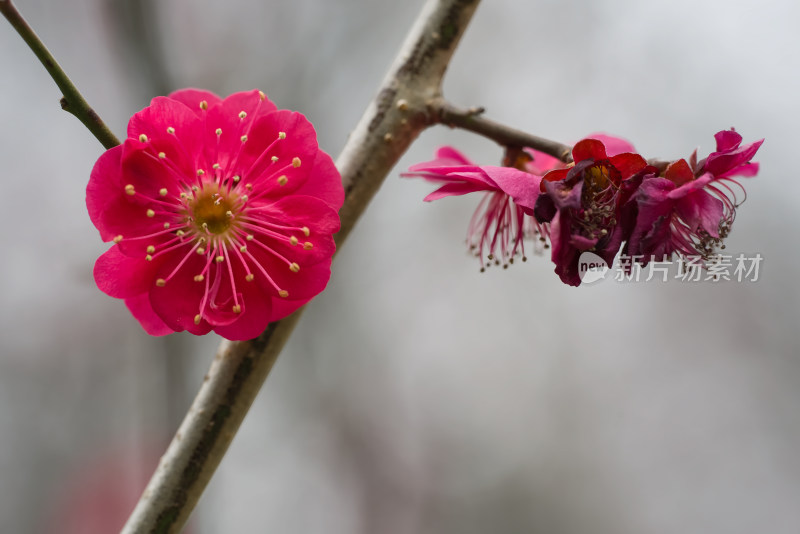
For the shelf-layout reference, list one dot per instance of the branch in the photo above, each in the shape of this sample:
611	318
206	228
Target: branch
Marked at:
473	120
391	122
72	100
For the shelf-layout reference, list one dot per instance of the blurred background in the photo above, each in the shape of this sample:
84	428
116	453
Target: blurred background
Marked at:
417	395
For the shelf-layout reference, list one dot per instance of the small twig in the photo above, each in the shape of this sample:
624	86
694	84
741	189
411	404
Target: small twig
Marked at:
390	123
72	101
472	120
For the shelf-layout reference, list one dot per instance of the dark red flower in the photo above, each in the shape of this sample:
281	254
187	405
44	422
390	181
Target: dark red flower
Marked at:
583	204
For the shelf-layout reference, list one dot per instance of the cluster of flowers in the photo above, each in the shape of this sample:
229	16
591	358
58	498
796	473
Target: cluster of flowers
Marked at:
222	213
608	196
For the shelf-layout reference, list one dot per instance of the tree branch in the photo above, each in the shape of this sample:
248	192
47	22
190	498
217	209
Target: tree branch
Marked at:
72	100
473	120
391	122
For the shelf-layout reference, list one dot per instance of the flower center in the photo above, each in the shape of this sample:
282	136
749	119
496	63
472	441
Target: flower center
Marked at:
212	210
599	197
596	178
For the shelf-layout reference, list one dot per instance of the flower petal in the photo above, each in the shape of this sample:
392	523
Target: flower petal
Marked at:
457	189
170	127
701	210
653	216
141	309
254	103
126	217
266	157
521	186
103	188
178	301
284	307
325	182
301	211
553	176
591	149
725	163
746	170
448	155
148	173
727	140
192	98
628	164
304	284
613	145
541	162
122	277
255	317
679	172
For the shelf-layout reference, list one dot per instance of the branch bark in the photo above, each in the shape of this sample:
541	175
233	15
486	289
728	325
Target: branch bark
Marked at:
473	120
72	100
397	115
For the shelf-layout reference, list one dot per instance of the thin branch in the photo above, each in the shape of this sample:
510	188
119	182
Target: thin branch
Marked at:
72	100
391	122
473	120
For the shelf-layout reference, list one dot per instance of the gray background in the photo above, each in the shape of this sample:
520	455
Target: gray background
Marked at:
418	395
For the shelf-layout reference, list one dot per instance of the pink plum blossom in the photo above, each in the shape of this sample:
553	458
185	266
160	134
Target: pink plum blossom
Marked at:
503	217
609	196
222	214
506	214
690	209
